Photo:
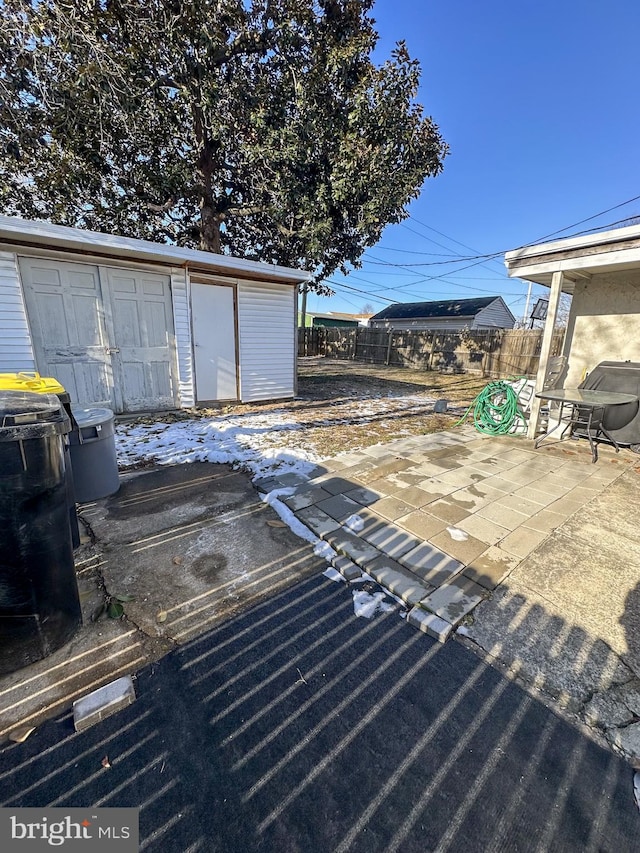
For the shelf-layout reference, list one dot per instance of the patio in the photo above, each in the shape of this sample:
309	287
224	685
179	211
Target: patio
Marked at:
530	556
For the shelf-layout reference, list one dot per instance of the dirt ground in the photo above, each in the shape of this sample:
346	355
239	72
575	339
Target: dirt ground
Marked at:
346	405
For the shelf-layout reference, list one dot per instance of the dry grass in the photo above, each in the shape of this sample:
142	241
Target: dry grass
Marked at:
344	405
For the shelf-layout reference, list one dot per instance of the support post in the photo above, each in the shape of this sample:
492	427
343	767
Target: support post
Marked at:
303	309
545	350
389	347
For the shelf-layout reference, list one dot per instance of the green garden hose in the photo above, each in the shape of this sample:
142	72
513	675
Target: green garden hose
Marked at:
496	410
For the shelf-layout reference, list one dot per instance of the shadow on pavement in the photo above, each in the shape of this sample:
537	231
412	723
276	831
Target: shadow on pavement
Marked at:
297	726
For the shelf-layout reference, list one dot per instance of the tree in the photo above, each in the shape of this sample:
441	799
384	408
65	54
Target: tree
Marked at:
261	128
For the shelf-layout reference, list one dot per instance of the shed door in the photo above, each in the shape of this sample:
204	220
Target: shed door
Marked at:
140	323
213	312
64	306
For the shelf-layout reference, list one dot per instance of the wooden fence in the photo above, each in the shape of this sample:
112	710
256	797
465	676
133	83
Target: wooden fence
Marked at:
497	353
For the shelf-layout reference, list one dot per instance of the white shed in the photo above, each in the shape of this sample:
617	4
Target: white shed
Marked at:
140	326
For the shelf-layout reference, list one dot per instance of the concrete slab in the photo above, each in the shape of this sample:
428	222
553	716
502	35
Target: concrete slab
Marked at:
500	513
393	507
417	496
317	520
450	509
454	599
392	540
306	496
336	485
522	541
386	486
339	507
347	568
364	496
430	564
458	544
483	529
545	521
491	567
352	546
422	523
397	580
187	546
429	623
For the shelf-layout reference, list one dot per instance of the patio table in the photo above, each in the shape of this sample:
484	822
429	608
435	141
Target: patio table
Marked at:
587	410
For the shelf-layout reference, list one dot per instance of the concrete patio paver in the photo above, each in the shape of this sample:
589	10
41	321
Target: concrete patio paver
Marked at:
462	549
392	540
491	567
454	599
318	521
397	580
430	563
393	507
339	507
476	510
422	523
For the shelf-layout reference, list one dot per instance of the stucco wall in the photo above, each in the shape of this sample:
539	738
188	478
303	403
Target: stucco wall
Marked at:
604	323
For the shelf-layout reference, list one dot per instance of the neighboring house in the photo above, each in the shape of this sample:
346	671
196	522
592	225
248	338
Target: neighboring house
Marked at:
453	315
138	326
602	274
336	319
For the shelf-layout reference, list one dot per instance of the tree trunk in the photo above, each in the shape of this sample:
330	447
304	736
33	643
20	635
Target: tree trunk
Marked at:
210	229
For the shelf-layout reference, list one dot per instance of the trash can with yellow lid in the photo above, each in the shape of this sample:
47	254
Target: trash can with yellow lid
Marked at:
33	382
39	601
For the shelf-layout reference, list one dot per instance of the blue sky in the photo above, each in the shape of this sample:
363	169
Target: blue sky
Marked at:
539	104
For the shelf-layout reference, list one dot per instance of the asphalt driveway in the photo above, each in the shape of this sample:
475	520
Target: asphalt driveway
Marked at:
297	726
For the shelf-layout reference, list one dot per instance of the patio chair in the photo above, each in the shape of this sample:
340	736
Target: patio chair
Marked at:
525	388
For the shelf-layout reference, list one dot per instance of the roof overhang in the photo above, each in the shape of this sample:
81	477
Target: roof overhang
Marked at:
578	258
16	234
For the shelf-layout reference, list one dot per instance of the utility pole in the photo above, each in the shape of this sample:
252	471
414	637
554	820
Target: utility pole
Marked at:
525	316
303	310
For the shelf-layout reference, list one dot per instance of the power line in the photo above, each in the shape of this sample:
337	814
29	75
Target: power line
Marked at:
364	292
446	236
477	260
493	255
588	219
457	260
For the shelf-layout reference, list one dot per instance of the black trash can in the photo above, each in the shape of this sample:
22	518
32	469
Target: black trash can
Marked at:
39	602
65	399
93	454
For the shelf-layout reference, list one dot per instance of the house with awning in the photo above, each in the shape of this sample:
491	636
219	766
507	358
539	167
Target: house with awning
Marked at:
601	272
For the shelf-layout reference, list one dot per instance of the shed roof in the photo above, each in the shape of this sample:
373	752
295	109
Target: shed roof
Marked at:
446	308
16	233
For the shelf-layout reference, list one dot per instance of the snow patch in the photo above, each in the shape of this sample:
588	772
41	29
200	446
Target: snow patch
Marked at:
354	522
289	518
367	604
323	549
333	575
636	788
457	534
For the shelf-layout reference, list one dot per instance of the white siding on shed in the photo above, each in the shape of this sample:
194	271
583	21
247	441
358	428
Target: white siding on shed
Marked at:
494	316
16	351
266	321
182	323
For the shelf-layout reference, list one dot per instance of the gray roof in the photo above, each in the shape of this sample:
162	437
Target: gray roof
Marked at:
447	308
